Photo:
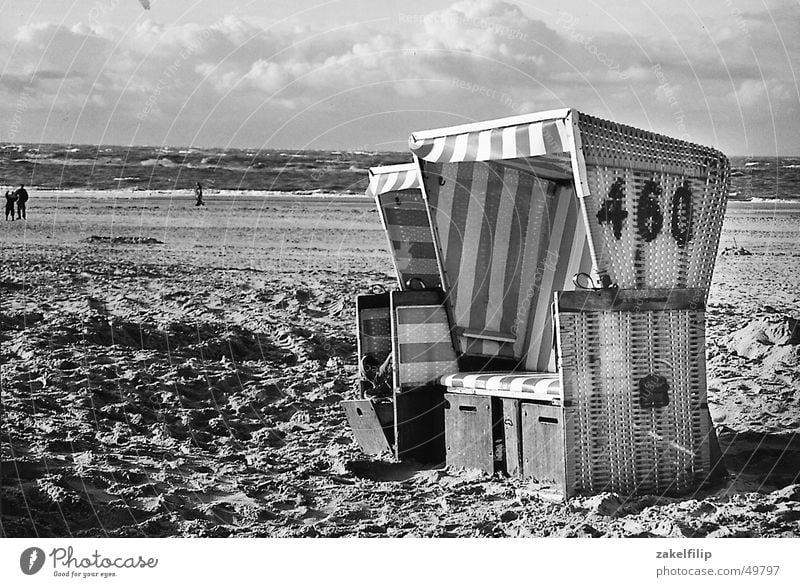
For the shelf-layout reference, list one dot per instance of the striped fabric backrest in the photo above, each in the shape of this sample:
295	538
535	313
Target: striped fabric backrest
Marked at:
409	231
397	191
508	240
423	346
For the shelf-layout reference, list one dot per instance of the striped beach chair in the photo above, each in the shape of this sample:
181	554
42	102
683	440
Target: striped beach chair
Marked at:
525	209
549	322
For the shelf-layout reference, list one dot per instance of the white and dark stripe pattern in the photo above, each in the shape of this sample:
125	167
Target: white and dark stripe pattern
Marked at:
510	142
530	385
396	189
508	241
424	346
393	178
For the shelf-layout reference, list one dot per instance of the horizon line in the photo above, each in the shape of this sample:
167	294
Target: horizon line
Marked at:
173	146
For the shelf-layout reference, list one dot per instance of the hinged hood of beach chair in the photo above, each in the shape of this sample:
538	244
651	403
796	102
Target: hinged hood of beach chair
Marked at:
393	178
531	135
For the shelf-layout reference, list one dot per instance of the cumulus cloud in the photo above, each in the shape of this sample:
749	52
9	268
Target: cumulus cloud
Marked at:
287	85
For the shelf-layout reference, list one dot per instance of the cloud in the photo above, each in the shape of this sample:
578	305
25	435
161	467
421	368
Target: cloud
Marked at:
761	94
241	82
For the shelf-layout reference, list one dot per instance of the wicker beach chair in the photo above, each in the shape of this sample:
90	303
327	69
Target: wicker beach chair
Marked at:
619	401
574	257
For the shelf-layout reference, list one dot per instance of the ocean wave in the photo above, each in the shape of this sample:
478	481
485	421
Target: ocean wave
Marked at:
158	162
47	160
101	167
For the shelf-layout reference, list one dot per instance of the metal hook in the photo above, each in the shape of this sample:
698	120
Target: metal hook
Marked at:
415	283
576	281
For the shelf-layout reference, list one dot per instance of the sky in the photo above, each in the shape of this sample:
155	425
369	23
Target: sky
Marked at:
362	75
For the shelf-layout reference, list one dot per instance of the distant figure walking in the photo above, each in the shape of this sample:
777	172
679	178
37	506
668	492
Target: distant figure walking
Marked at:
11	198
22	200
198	193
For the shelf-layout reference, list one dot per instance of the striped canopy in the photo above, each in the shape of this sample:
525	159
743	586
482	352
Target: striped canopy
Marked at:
503	140
393	178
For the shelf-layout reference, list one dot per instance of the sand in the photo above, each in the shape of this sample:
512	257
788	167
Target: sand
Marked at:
176	371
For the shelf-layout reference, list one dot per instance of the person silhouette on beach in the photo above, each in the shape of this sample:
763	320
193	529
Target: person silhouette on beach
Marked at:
22	200
11	198
198	193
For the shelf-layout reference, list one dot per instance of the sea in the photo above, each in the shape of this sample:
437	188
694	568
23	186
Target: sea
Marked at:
142	168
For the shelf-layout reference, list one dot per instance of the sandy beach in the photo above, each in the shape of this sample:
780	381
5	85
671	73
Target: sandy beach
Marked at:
170	370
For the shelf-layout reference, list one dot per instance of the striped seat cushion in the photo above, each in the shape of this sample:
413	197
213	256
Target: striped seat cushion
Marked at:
520	384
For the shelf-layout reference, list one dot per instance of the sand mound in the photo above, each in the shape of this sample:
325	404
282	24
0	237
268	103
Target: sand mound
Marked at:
772	340
123	240
738	251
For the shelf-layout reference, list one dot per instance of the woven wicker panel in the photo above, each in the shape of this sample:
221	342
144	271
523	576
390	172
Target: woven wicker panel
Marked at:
614	152
614	443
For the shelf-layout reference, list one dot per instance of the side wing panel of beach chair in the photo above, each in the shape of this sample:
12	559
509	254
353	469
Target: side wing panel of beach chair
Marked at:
372	423
423	353
421	340
654	206
508	240
404	215
374	332
633	374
